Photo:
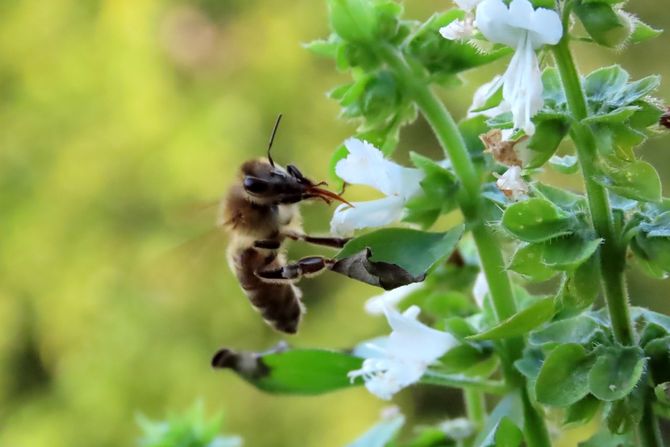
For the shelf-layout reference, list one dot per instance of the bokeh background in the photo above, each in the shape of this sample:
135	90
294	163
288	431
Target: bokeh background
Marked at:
120	122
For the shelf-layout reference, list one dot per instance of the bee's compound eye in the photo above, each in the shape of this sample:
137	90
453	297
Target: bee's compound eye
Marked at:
254	185
295	172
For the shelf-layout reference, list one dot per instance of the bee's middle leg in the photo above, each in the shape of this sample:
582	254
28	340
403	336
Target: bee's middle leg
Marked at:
309	266
327	241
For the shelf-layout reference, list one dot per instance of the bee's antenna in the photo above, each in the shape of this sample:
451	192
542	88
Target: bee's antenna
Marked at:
272	139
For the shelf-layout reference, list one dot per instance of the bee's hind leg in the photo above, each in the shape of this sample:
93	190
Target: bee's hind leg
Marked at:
305	267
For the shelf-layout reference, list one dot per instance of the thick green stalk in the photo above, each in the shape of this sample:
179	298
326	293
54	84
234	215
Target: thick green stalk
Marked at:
475	407
471	204
613	253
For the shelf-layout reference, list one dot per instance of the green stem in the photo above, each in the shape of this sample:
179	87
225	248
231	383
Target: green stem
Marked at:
613	253
475	406
650	434
472	205
613	250
465	382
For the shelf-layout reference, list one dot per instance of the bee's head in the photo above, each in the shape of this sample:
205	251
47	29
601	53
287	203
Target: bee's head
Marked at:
265	182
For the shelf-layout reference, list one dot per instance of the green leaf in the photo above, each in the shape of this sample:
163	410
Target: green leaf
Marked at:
616	116
412	250
605	83
553	93
607	439
380	434
530	364
353	20
536	220
440	56
564	199
326	48
504	434
616	372
464	358
520	323
662	392
582	412
439	192
602	23
471	129
567	164
638	89
543	145
509	407
296	371
527	261
569	252
578	330
563	379
580	290
643	32
636	180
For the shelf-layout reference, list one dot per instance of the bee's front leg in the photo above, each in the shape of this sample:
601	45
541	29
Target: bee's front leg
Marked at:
309	266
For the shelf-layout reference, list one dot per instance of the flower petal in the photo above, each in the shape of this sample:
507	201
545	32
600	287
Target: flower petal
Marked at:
523	87
512	184
546	28
413	341
374	213
467	5
480	289
501	24
493	21
376	304
458	30
366	165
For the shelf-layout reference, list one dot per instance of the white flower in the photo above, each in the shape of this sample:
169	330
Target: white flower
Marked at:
512	184
480	289
483	94
525	30
366	165
390	298
404	358
467	5
461	29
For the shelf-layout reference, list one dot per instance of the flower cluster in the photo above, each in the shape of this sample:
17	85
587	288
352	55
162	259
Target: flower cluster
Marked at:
526	30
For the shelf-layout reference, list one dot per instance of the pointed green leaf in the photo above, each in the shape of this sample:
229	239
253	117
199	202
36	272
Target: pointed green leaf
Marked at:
543	145
563	379
569	252
637	180
294	371
567	164
527	261
504	434
644	32
412	250
572	330
520	323
616	372
602	23
582	412
380	434
536	220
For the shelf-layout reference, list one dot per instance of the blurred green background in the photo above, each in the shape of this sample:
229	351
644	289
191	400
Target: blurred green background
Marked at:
120	120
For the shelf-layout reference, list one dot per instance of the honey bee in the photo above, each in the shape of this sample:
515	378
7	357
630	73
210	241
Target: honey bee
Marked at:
260	212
